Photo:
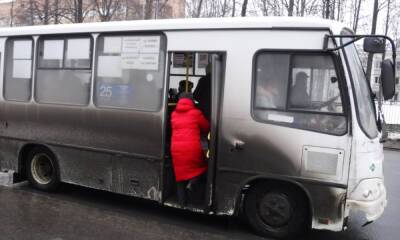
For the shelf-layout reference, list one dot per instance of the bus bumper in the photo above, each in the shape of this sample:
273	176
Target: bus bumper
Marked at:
368	197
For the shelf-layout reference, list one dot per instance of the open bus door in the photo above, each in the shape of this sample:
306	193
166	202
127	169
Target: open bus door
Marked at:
217	77
187	74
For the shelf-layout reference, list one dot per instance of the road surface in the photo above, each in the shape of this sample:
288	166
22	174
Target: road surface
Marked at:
81	213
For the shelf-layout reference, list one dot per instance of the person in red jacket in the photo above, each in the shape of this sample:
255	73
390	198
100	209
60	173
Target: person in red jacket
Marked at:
187	123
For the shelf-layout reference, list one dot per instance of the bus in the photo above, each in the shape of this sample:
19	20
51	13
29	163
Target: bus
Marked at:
294	141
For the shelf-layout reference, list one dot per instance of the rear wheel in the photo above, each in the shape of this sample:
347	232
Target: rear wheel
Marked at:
42	170
277	211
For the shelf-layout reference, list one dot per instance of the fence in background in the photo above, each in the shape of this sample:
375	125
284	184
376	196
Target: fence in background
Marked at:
391	111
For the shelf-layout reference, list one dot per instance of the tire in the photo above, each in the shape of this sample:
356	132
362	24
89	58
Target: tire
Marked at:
277	211
42	170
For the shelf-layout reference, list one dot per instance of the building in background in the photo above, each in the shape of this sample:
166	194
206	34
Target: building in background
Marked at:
5	12
38	12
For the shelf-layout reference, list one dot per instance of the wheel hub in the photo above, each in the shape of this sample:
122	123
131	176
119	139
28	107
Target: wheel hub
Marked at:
42	168
275	209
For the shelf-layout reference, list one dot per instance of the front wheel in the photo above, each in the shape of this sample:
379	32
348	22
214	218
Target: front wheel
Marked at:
276	211
42	170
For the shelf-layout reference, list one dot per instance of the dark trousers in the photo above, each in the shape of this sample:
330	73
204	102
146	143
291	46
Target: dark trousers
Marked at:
193	188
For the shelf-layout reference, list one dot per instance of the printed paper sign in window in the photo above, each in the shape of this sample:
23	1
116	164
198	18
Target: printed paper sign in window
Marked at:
131	44
130	60
140	53
112	45
150	44
203	60
149	61
180	60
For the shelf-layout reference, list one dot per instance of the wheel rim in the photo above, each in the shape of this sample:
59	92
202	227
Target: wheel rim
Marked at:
275	209
42	168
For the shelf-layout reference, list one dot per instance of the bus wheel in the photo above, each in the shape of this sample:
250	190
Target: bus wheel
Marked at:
42	170
276	211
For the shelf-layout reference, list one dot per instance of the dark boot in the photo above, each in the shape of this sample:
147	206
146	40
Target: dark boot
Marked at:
181	193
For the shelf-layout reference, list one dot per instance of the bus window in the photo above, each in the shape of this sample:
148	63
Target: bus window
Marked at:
64	70
130	70
312	100
18	71
271	81
314	85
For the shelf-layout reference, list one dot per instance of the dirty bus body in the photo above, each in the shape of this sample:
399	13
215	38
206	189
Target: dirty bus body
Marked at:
87	104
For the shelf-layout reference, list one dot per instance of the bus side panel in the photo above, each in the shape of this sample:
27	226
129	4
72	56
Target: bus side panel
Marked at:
128	175
137	177
108	149
327	202
9	153
328	206
267	149
85	168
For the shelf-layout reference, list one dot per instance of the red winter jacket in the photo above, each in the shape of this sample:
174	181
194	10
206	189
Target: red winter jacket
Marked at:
187	155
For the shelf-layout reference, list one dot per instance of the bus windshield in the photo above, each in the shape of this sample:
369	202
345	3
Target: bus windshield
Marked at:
364	103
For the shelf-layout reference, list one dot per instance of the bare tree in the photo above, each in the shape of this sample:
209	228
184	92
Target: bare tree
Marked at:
373	31
56	11
244	8
46	12
30	12
326	9
302	7
339	10
12	14
387	24
264	7
77	11
224	9
290	7
356	15
199	6
148	9
106	9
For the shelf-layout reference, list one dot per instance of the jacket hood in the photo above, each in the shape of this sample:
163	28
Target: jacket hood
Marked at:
184	105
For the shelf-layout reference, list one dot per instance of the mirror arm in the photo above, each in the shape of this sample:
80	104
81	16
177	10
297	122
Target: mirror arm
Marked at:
356	38
327	37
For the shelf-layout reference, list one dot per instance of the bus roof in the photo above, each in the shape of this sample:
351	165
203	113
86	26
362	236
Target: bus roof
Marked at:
178	24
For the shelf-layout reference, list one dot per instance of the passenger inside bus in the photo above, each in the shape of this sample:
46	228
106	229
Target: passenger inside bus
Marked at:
299	97
267	94
174	95
202	93
190	166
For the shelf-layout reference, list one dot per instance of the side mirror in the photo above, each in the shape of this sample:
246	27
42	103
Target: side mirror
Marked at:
387	79
374	45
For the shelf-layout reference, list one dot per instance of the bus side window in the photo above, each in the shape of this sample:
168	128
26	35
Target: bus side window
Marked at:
129	71
298	90
314	85
271	81
64	70
18	69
